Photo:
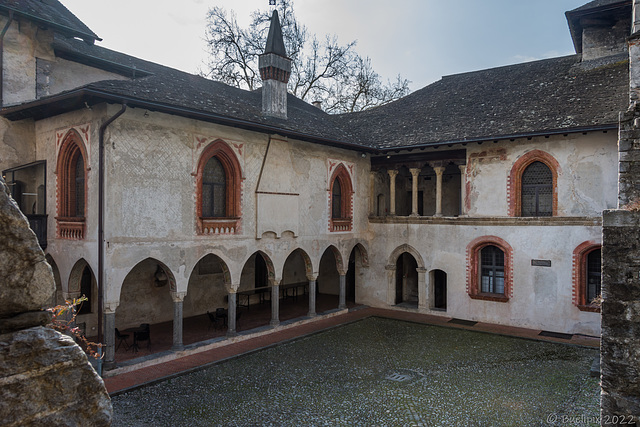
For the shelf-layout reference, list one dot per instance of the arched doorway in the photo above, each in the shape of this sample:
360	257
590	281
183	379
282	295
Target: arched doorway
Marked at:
254	293
358	259
82	282
406	280
294	287
57	297
145	298
439	286
206	292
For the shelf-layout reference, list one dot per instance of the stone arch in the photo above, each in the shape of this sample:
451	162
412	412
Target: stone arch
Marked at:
75	277
400	250
305	257
224	268
146	294
364	254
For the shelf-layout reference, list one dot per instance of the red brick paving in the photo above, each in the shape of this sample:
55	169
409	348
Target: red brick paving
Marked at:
124	381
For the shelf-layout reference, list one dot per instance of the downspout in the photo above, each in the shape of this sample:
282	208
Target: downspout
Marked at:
101	132
4	31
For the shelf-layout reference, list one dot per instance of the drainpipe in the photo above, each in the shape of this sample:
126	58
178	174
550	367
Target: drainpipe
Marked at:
101	132
4	31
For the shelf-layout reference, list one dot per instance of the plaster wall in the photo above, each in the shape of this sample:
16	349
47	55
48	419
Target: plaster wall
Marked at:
60	74
150	206
23	42
17	143
542	296
587	180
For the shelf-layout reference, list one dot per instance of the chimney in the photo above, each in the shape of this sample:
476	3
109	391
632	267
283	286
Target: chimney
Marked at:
275	69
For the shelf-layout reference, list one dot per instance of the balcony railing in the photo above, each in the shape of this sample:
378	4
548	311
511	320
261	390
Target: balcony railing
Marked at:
38	224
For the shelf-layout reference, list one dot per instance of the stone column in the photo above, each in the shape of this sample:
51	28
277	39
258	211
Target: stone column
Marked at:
275	304
231	313
312	296
463	190
343	290
178	298
392	191
423	288
372	193
109	335
439	171
414	190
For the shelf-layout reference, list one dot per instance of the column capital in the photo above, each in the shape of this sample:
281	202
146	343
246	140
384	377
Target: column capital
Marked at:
342	272
178	296
421	270
462	168
415	171
392	172
312	277
390	267
110	307
439	170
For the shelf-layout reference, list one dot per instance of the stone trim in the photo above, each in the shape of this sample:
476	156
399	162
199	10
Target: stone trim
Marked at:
345	222
579	275
514	181
473	265
498	221
69	223
231	222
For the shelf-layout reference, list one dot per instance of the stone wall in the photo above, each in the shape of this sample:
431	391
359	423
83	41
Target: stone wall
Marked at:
45	378
620	352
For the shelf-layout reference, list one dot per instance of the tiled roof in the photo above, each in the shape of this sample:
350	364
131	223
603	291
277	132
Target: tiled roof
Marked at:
535	97
50	12
552	94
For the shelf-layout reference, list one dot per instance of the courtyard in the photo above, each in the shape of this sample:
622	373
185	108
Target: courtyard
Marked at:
379	371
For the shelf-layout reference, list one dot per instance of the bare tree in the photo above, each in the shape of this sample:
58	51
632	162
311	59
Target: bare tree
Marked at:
323	71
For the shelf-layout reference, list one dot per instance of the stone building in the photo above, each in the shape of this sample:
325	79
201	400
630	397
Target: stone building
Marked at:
478	197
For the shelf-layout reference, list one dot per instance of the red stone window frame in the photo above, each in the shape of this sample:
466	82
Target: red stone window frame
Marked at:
473	269
579	276
341	177
69	223
514	181
230	223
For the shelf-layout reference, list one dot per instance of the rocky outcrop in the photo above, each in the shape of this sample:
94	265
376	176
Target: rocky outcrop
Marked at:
45	378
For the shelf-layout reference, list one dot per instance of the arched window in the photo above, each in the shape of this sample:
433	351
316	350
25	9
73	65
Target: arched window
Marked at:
72	188
532	185
537	190
587	275
492	270
213	189
489	269
336	201
340	195
218	189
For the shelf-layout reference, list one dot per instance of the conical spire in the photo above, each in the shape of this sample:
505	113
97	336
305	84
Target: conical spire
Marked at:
275	43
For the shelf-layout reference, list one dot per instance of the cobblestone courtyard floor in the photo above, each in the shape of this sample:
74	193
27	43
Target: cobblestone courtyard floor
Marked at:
379	372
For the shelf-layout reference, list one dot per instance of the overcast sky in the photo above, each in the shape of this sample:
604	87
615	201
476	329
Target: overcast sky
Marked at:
422	40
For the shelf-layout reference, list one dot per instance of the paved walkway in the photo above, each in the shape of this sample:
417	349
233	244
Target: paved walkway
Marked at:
162	371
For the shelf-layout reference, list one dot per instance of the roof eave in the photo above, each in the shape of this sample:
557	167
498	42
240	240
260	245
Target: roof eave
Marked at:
87	37
85	97
480	140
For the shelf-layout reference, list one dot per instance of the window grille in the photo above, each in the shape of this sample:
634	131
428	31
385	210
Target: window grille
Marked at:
213	189
537	190
492	270
594	270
